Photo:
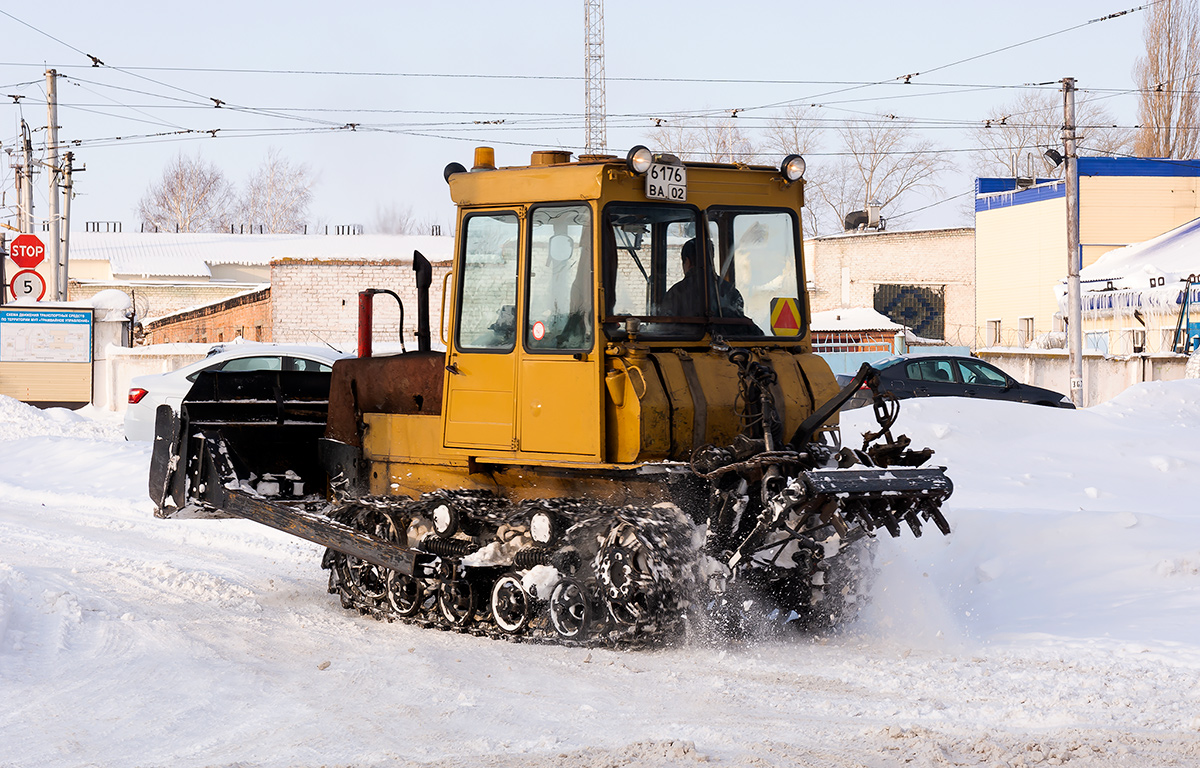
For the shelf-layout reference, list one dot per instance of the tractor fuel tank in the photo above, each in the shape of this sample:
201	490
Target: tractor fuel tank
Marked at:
664	404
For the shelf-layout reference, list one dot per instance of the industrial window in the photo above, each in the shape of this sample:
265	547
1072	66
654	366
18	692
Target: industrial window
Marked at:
487	319
1137	340
1024	331
993	334
920	308
1097	341
560	279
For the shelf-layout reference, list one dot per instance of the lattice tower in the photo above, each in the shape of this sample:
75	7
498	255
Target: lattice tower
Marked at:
593	76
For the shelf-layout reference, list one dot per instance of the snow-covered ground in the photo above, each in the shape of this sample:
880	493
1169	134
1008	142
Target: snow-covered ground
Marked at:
1058	624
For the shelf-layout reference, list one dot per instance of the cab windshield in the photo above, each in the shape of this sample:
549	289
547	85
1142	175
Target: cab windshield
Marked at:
678	272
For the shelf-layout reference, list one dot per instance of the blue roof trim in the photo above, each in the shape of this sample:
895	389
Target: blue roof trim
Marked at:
993	193
989	202
986	186
1137	166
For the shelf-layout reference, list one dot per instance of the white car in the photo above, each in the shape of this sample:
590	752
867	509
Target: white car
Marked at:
148	392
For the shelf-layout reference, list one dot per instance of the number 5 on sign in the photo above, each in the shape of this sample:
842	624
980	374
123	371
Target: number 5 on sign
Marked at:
28	284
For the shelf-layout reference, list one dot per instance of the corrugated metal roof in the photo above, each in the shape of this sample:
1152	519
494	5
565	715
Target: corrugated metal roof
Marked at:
162	254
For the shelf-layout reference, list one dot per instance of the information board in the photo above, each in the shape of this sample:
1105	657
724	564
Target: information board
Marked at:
45	336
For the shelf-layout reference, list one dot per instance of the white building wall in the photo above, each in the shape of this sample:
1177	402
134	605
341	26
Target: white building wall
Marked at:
316	301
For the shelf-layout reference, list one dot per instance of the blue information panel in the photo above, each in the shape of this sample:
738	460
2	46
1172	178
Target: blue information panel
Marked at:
29	335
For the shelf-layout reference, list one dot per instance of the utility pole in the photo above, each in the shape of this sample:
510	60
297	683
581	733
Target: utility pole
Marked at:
66	243
1074	252
595	141
25	182
53	248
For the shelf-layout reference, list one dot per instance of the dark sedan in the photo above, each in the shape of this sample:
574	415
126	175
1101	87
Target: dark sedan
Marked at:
951	376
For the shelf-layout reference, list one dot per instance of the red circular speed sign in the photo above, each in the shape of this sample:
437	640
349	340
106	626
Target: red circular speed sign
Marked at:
27	251
26	284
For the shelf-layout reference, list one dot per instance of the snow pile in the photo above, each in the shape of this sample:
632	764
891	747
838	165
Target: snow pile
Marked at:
1058	624
1077	524
19	420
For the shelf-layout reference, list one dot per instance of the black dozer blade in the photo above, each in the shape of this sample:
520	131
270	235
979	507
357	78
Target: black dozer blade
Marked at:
235	428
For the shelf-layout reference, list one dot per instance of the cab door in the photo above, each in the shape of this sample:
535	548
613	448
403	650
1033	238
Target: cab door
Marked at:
559	404
481	362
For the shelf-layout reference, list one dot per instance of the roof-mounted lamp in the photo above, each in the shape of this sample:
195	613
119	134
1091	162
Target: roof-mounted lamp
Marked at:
792	167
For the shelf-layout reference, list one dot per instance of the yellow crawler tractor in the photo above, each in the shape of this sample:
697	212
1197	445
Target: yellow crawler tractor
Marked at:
627	436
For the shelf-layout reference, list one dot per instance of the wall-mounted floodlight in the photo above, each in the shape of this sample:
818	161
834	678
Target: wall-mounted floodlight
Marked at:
639	159
1054	156
792	167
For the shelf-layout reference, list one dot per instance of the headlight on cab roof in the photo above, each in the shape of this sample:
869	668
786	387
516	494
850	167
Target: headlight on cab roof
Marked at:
639	159
792	167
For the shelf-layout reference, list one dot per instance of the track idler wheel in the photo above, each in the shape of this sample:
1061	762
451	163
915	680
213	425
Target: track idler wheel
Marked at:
570	609
456	601
631	590
369	580
511	605
339	582
405	594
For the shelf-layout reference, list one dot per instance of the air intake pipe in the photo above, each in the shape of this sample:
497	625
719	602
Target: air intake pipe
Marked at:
366	319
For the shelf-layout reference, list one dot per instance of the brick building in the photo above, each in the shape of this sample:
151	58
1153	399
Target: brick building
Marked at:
246	316
315	301
923	279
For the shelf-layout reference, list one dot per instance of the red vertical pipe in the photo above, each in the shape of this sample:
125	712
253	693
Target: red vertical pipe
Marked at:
365	321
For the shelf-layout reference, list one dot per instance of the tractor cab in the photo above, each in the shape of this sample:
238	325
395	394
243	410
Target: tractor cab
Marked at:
567	275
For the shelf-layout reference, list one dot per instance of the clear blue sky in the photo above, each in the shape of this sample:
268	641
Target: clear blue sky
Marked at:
424	118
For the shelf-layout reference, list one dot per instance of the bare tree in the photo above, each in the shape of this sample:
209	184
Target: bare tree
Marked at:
277	195
1015	135
1168	107
883	160
191	196
703	139
395	219
796	131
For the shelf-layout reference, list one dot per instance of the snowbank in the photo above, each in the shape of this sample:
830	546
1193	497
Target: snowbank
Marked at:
1057	624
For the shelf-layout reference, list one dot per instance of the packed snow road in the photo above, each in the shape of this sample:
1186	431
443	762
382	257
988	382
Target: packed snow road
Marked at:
1058	624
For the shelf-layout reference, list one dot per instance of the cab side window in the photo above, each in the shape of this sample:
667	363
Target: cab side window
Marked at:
487	314
560	279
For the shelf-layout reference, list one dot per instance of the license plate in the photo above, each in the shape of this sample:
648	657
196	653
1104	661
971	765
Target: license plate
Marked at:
666	182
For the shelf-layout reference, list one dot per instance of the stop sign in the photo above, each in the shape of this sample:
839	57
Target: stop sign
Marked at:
27	251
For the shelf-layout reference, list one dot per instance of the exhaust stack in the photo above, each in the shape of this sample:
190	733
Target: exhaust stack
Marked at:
424	272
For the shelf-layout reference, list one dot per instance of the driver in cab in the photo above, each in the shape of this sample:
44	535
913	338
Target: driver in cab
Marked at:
686	297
